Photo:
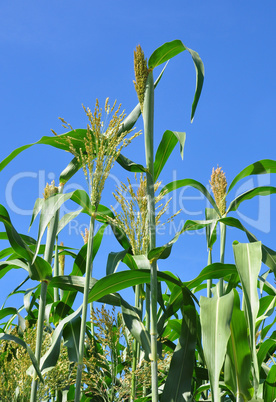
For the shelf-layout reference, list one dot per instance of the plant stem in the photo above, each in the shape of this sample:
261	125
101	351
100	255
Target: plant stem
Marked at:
135	349
209	281
222	253
56	271
148	115
49	248
39	334
88	272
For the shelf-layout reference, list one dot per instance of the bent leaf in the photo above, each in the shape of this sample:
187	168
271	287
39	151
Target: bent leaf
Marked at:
8	337
170	49
259	167
165	148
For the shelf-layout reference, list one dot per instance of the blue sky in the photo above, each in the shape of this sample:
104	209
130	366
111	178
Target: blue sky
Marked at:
58	55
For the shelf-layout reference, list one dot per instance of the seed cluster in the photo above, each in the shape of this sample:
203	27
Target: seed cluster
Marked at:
218	185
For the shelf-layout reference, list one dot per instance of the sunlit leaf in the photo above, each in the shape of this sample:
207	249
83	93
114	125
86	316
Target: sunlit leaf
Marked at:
237	369
165	148
248	258
259	167
169	50
215	318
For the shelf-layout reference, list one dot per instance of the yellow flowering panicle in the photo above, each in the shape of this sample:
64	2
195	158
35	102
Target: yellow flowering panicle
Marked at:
218	185
85	235
50	190
141	74
102	146
133	216
61	260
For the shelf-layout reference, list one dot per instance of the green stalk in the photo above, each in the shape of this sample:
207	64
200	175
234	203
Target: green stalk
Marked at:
88	273
39	334
148	115
222	253
135	349
48	255
209	281
56	271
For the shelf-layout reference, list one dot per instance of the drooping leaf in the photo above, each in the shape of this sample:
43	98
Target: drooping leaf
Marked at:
49	359
163	252
248	258
19	341
129	165
136	327
268	255
258	191
113	261
215	318
211	233
61	141
192	183
38	269
169	50
259	167
165	148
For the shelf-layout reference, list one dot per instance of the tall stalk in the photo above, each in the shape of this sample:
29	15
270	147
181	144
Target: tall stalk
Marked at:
88	273
49	248
222	253
148	116
209	281
218	185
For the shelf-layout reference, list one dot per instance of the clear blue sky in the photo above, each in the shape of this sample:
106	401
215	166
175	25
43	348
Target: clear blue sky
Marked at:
56	55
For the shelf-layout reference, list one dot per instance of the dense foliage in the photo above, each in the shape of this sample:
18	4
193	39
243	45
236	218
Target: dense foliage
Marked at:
169	346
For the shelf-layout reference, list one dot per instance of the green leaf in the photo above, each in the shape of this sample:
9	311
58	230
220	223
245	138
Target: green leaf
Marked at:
237	369
61	141
165	148
129	165
179	381
49	360
38	269
136	327
113	261
259	167
192	183
211	233
49	207
248	257
270	385
163	252
215	318
264	190
268	255
7	337
71	336
266	349
72	168
169	50
212	271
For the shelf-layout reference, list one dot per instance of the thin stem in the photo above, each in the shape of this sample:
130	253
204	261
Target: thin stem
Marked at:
135	349
209	281
148	116
56	271
49	248
222	253
88	273
39	334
